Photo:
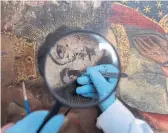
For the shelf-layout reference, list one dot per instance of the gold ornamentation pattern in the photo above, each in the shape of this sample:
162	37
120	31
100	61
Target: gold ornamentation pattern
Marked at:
24	58
147	8
164	23
123	46
159	4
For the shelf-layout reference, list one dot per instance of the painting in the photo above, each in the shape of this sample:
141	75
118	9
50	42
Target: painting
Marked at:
137	29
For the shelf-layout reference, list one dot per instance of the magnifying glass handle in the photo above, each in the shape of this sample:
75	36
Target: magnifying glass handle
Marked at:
53	111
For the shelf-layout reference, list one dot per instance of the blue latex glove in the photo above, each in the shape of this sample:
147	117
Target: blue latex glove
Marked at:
32	122
96	86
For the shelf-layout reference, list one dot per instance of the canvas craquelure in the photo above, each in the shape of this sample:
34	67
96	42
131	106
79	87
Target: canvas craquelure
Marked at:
137	29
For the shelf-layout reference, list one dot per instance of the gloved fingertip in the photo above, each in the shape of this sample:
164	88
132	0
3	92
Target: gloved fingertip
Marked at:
85	89
61	117
83	80
79	90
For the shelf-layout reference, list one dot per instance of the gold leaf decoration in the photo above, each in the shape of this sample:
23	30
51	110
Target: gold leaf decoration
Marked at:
24	58
164	23
122	45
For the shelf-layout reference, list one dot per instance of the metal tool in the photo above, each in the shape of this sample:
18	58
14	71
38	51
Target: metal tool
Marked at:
114	75
106	75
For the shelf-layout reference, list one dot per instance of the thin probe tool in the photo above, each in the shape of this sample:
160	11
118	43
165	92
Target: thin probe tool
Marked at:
106	75
26	102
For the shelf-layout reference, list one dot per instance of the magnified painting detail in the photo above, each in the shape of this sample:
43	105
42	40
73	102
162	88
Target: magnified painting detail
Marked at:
138	31
74	52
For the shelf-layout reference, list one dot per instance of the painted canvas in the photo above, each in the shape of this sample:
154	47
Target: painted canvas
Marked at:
137	29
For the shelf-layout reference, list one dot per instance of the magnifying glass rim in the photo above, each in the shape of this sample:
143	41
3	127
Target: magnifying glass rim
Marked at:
59	98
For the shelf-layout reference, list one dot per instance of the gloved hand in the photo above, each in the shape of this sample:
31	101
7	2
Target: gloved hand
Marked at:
96	86
32	122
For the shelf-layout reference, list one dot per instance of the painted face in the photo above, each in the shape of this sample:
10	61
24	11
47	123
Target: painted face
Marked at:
69	57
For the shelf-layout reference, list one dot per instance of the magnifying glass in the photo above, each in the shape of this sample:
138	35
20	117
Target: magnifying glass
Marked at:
66	57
